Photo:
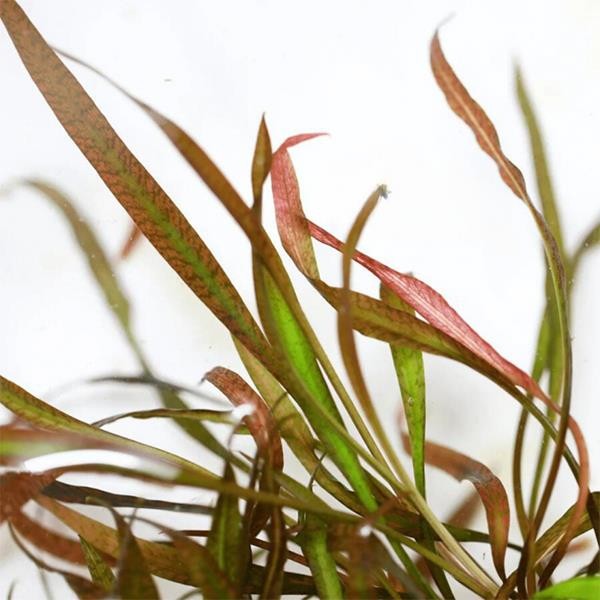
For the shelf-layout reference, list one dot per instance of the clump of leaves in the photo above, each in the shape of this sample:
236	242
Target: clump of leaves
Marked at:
269	534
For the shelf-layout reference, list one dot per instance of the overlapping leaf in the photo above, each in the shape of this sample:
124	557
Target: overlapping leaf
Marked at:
258	420
488	486
37	412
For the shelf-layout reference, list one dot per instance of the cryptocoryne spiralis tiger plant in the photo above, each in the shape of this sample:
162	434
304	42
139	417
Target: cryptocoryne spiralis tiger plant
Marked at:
359	524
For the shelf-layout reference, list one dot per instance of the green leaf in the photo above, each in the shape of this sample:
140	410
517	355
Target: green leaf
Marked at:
152	210
133	578
410	372
99	570
580	588
225	539
37	412
313	541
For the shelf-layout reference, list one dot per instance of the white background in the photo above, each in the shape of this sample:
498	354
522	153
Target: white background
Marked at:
359	71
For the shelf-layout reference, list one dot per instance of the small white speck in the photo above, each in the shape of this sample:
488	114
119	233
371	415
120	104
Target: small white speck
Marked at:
241	411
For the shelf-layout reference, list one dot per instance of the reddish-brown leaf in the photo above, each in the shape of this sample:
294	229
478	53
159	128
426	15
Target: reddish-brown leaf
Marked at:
47	540
291	222
433	307
18	488
474	116
260	422
488	486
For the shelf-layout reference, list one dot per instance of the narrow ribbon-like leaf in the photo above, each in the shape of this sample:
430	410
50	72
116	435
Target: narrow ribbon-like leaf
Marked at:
37	412
224	540
486	135
141	196
259	420
99	570
16	489
435	309
488	486
261	164
46	540
291	221
408	364
133	577
313	541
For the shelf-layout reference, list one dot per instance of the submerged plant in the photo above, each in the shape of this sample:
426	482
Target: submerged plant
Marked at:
361	529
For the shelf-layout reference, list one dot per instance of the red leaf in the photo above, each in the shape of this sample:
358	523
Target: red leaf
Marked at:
435	310
260	422
291	221
16	489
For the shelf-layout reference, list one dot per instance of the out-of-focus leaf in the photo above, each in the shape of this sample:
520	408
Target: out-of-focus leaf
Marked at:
18	443
313	541
16	489
199	414
591	240
162	560
83	588
580	588
203	570
35	411
259	420
141	196
79	494
542	172
131	241
224	541
488	486
554	358
133	576
104	275
46	540
96	258
99	570
410	372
